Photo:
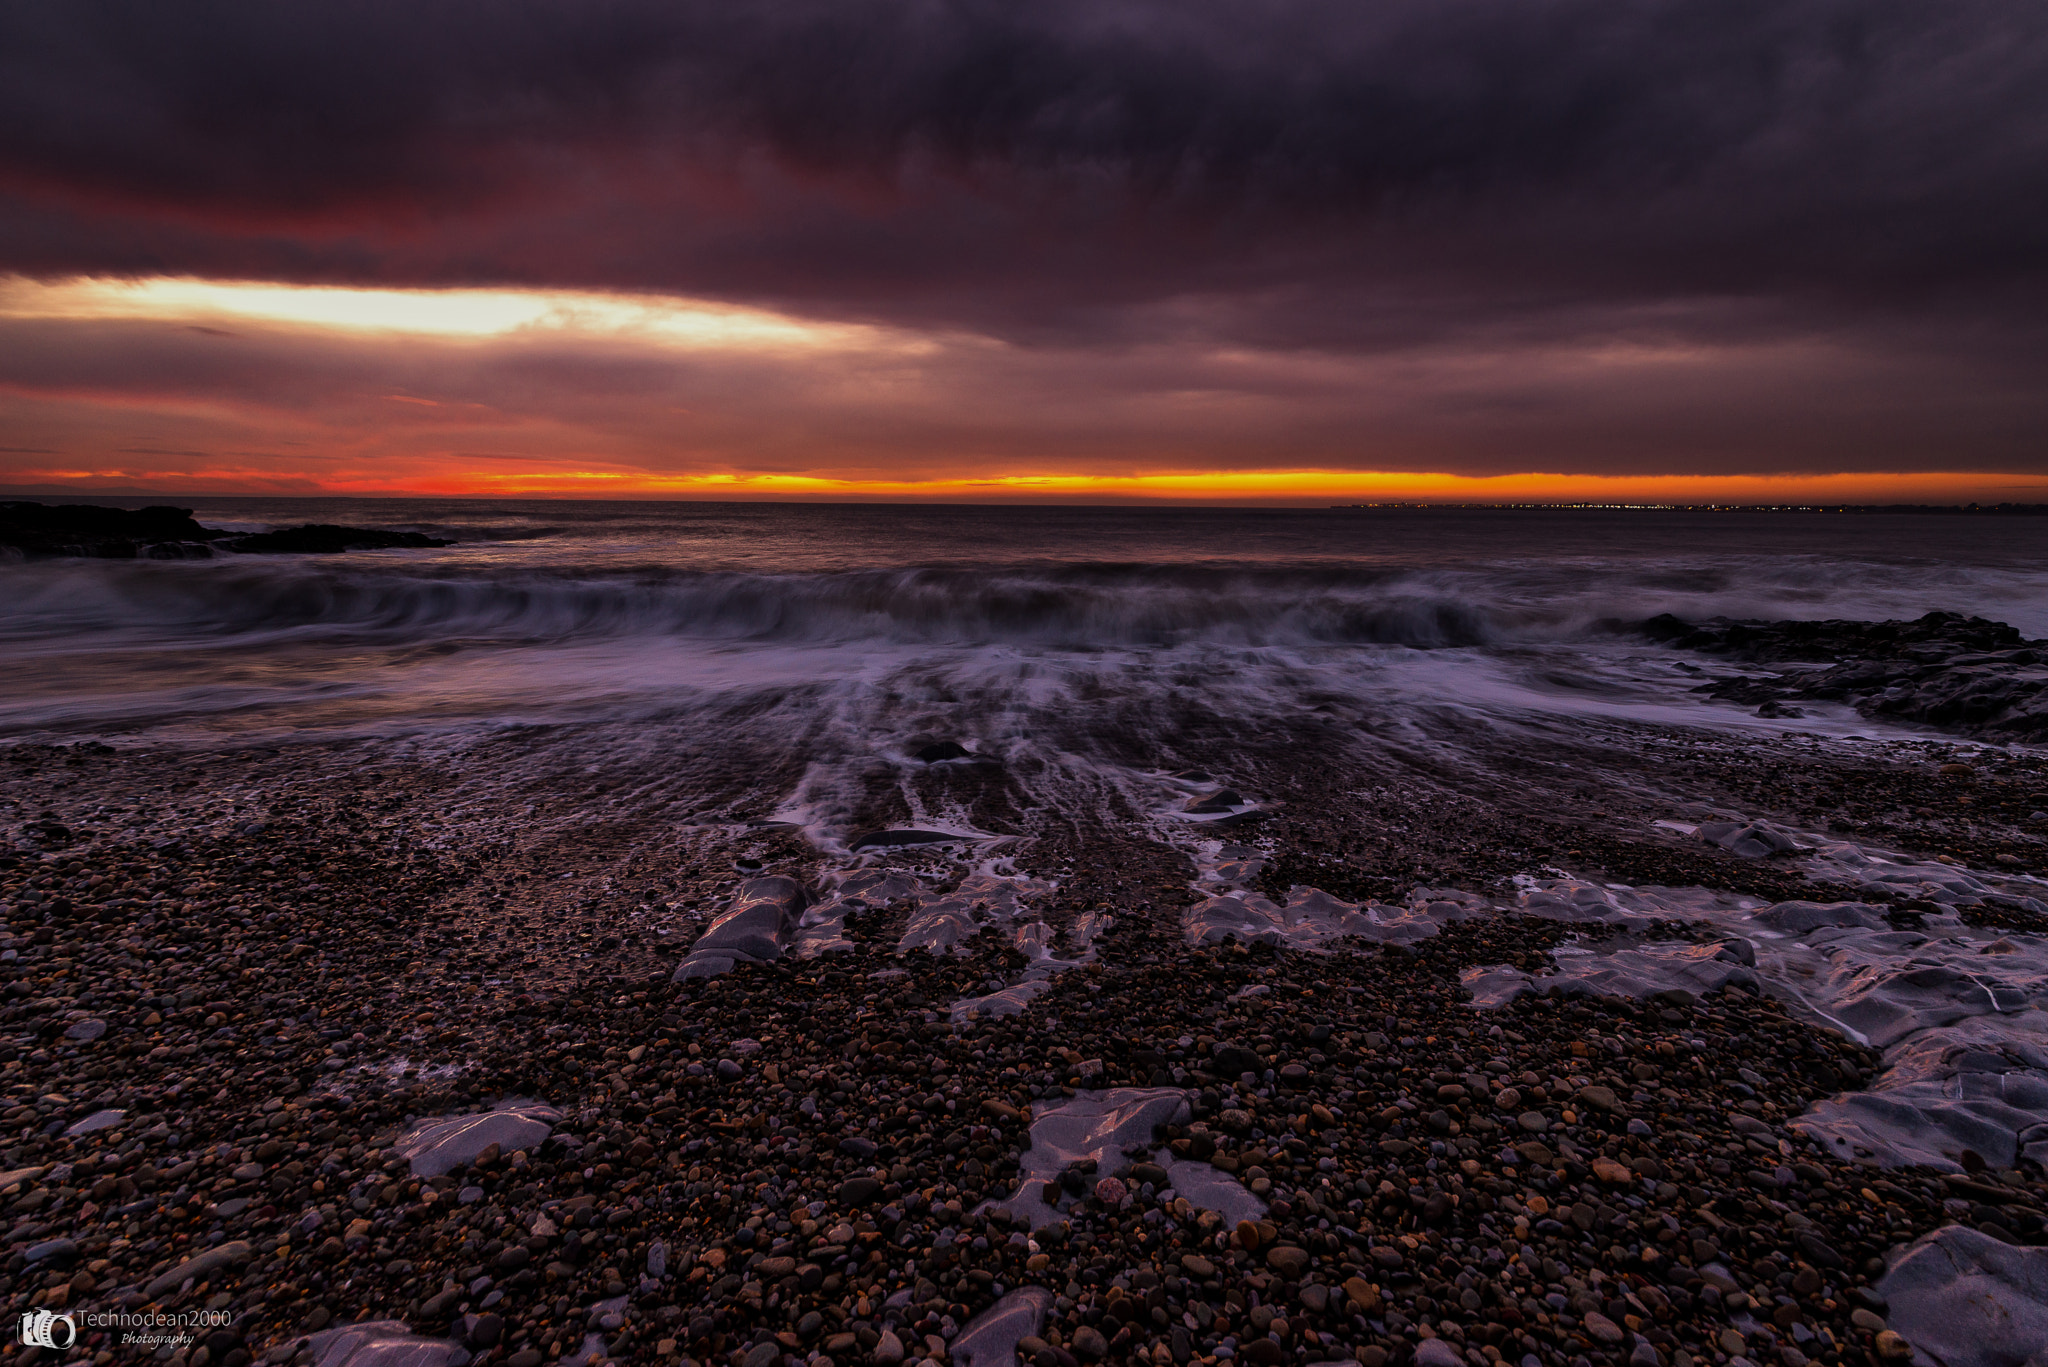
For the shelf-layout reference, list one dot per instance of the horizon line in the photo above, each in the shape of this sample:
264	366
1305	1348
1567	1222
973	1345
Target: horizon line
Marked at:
36	493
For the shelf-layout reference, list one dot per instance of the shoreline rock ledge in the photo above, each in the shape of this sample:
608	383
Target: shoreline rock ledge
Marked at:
41	531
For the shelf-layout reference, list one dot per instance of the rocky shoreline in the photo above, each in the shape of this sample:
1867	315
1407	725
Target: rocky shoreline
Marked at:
1959	673
239	983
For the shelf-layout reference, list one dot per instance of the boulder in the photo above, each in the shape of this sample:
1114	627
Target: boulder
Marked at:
756	928
1965	1299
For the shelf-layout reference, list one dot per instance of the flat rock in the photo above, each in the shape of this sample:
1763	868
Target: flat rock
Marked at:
1979	1085
990	1338
1434	1352
97	1121
1034	940
1095	1128
1603	1329
1208	1188
1621	970
61	1250
1751	840
1951	1004
1797	918
1311	919
204	1265
1966	1299
434	1147
758	926
979	901
821	928
383	1343
1004	1001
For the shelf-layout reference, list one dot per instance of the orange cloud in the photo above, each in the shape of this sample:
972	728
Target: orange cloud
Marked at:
180	384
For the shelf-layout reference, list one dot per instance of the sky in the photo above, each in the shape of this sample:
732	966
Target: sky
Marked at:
1266	250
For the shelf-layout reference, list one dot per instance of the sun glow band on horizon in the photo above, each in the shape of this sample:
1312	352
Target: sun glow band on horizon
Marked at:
1313	488
1294	486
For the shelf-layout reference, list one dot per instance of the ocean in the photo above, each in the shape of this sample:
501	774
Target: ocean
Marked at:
1002	626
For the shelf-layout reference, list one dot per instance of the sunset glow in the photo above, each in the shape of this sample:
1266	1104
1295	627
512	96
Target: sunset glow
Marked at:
1022	255
459	313
1301	487
178	383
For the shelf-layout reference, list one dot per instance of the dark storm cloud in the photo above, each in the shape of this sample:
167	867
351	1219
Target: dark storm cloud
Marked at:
1339	173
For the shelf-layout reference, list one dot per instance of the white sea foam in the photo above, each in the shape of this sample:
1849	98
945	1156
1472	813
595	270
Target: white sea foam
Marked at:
626	613
1960	1012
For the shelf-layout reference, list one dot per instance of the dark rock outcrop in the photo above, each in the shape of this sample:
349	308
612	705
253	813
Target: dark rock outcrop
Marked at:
1943	669
323	538
1936	638
40	531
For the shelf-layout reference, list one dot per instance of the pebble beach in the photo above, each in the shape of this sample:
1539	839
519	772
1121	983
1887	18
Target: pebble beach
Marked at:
1622	1042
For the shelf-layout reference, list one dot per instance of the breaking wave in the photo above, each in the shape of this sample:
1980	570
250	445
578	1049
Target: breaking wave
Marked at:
932	614
1081	607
